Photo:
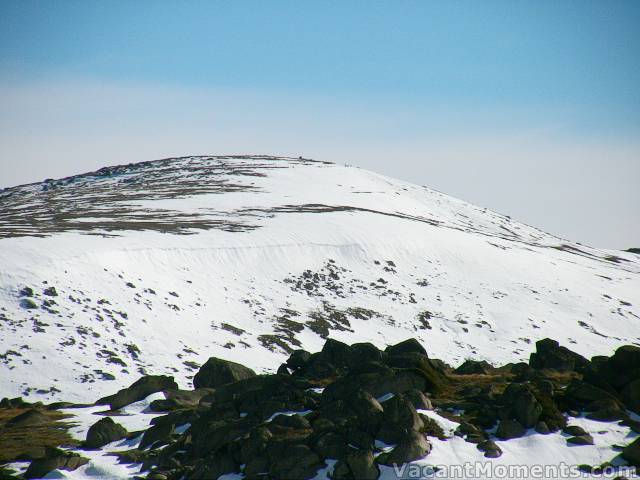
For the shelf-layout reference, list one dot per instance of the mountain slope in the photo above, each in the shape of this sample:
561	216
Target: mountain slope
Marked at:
154	267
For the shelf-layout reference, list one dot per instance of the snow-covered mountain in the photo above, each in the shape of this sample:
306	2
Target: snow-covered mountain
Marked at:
156	266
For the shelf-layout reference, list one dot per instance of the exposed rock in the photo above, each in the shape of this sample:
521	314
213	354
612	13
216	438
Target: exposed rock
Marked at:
549	354
54	459
413	447
524	406
216	372
298	359
542	428
419	400
582	394
606	410
177	399
26	292
490	449
366	352
331	445
580	440
104	431
139	390
631	453
625	358
51	292
508	429
367	408
631	396
255	444
399	420
299	462
290	421
28	303
410	345
362	465
574	430
156	434
474	367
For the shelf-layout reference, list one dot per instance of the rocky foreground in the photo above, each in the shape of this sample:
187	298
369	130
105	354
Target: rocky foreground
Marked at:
348	410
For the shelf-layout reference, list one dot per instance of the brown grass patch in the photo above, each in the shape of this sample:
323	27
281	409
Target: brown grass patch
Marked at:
28	442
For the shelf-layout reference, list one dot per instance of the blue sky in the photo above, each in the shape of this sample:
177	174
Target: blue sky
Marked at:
447	85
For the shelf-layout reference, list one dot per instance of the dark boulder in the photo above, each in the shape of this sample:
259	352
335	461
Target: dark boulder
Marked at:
139	390
419	399
215	465
574	430
412	447
631	453
490	449
26	292
399	419
474	367
330	445
298	359
179	399
542	428
432	379
410	345
337	353
625	358
255	444
580	440
580	394
51	292
365	352
631	396
54	459
290	421
367	409
28	303
216	372
256	467
157	435
296	462
605	410
362	465
550	355
523	404
509	428
104	431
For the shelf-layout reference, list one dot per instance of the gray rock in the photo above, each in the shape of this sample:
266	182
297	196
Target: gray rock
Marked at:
216	372
542	428
362	465
490	449
104	431
419	399
299	462
399	419
413	447
508	429
410	345
474	367
631	396
139	390
580	440
574	430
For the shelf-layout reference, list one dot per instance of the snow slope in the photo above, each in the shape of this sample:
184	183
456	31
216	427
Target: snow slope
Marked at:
159	265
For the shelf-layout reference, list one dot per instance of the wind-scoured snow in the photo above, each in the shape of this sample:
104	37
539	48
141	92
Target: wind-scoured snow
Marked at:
158	266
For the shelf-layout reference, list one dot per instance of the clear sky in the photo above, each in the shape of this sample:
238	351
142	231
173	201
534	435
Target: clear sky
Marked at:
531	108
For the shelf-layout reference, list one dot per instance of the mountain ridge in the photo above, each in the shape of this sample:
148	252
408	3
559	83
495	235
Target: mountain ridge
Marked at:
158	265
